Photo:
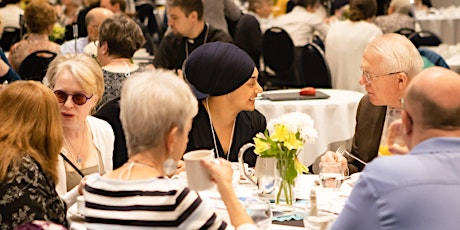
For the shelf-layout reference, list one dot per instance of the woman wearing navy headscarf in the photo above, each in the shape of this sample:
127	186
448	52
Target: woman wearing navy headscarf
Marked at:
227	118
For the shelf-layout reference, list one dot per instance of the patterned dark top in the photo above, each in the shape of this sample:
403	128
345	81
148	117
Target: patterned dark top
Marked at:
113	82
28	194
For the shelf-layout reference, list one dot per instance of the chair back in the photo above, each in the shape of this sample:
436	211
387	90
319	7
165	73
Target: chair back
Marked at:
10	36
278	55
434	57
425	38
278	50
405	31
35	65
313	68
148	16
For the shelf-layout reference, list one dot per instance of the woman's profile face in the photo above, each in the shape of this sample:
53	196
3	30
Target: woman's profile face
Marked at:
244	97
73	115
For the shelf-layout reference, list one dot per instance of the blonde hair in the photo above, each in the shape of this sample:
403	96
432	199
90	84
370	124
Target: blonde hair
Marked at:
83	68
30	125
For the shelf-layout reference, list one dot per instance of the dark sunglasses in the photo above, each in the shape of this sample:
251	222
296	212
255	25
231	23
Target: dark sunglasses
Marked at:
78	98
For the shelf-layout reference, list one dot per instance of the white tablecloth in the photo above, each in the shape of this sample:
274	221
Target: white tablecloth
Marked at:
444	22
335	118
330	203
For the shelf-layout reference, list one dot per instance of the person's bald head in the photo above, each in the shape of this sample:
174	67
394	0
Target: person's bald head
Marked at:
93	19
432	100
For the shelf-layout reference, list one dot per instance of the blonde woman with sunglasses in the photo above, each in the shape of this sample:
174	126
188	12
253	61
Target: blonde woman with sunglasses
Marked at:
78	84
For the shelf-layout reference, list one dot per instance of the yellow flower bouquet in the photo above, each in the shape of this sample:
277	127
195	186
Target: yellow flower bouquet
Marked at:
283	139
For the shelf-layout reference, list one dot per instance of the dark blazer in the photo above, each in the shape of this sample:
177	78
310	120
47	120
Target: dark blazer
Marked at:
368	131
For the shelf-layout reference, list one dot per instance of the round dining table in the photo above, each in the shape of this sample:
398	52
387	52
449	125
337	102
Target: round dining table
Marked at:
329	202
334	117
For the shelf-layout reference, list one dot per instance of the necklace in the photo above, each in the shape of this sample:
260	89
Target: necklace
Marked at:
192	41
70	147
214	135
129	169
127	74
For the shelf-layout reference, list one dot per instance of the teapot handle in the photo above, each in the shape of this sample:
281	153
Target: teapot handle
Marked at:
243	170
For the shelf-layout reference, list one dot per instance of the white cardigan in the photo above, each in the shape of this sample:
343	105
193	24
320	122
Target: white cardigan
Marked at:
103	139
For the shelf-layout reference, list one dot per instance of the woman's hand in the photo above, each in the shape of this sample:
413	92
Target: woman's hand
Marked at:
81	186
221	172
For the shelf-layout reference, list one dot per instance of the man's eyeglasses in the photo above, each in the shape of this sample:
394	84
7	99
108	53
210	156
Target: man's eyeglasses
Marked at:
78	98
369	77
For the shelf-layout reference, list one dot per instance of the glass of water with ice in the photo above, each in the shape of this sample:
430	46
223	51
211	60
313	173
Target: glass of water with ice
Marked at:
260	211
331	175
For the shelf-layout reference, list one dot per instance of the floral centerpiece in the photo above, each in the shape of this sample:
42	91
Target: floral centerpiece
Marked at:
283	139
57	35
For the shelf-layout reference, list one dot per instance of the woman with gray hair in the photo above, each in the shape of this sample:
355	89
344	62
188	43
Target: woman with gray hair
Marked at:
157	109
345	43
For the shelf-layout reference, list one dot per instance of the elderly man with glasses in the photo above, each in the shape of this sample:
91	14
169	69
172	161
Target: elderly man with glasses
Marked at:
389	62
418	190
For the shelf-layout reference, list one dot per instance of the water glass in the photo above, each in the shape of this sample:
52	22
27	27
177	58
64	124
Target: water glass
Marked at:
331	175
260	211
392	132
317	222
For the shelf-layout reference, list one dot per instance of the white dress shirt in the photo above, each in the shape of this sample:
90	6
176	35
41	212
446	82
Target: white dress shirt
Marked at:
301	24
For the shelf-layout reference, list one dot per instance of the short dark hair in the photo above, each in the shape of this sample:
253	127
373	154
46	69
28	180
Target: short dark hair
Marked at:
122	34
188	6
122	4
362	9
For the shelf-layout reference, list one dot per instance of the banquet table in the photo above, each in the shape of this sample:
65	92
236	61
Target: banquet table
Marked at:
334	118
329	202
444	22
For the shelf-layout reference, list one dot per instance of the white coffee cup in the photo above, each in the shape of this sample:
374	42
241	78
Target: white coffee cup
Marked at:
198	177
81	205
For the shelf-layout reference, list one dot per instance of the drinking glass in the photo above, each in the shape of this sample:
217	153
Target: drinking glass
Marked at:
331	175
317	222
260	211
392	132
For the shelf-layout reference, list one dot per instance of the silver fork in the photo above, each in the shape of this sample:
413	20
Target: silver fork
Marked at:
342	150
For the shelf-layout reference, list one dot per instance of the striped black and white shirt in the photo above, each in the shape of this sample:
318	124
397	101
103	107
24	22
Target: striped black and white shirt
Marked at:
158	203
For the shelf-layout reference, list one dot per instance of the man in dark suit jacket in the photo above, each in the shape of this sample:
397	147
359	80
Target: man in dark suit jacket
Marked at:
389	62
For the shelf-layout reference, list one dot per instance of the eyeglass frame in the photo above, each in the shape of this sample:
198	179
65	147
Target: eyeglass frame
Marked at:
72	96
369	76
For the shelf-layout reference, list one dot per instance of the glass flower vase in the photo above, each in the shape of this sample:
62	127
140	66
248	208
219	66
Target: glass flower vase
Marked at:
285	183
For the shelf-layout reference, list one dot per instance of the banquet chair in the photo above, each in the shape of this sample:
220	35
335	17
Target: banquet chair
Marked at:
148	16
424	38
278	56
434	57
312	65
405	31
10	36
35	65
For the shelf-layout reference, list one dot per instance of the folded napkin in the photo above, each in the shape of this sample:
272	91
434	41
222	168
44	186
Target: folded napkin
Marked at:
298	214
